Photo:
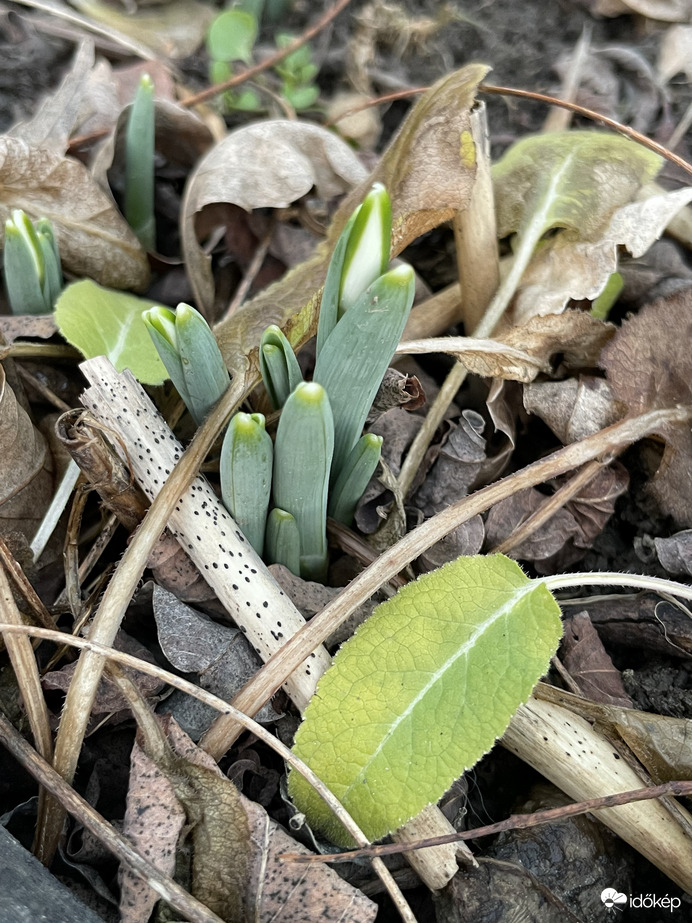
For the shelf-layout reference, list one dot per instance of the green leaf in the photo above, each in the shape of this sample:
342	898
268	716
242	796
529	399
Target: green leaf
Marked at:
278	365
354	477
422	691
282	540
139	164
102	322
302	460
571	181
245	471
355	357
232	36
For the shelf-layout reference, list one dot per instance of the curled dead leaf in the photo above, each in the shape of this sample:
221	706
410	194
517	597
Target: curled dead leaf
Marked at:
268	164
649	365
429	174
95	240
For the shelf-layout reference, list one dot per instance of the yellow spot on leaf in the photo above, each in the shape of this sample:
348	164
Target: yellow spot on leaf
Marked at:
467	150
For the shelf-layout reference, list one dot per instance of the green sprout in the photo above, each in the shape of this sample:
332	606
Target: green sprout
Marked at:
31	263
139	165
231	38
192	357
282	540
297	72
302	461
278	364
245	469
321	461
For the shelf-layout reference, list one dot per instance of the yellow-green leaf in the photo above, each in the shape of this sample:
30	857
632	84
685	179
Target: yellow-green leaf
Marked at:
423	690
101	322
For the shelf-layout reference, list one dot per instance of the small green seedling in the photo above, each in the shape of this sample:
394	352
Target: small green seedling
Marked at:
322	463
31	264
246	475
297	72
232	37
191	355
139	165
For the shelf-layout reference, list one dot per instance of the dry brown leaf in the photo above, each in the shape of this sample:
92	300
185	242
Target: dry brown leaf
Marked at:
675	553
153	821
590	665
570	532
675	53
268	164
192	643
14	327
174	30
665	10
235	867
523	352
26	474
571	268
429	174
94	238
54	119
649	365
108	699
457	464
573	408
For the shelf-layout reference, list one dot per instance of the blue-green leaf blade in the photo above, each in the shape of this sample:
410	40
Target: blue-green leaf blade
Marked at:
423	690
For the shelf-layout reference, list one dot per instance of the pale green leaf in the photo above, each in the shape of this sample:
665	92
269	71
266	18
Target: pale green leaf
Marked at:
101	322
232	36
424	689
566	180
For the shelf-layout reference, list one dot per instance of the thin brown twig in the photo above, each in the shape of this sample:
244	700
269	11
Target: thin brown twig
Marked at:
621	129
165	887
274	59
513	822
625	130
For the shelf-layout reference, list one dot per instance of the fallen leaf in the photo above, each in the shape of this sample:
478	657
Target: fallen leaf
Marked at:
94	238
675	553
428	180
175	29
570	532
109	699
193	643
574	266
154	819
268	164
52	122
648	366
643	623
456	467
565	182
573	408
675	53
589	665
100	322
19	326
235	848
520	353
26	474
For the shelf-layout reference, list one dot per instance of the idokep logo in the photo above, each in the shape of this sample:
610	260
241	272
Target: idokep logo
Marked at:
616	900
613	900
